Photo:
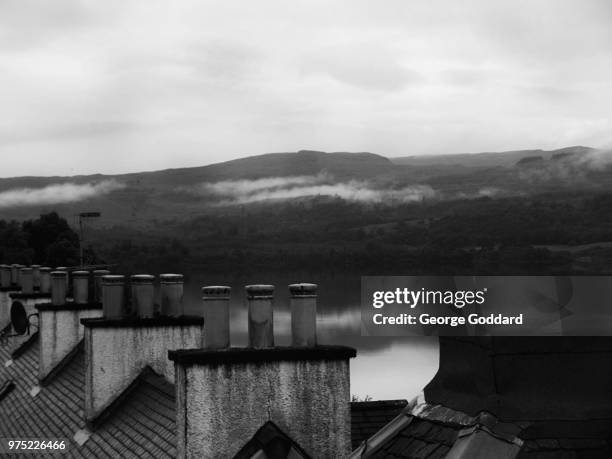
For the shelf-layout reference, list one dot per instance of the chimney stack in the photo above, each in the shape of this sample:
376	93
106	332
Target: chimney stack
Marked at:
261	320
171	295
118	347
113	296
216	317
98	275
303	391
143	294
60	331
27	281
303	314
45	280
58	287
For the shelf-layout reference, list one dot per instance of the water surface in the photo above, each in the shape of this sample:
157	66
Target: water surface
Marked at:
385	368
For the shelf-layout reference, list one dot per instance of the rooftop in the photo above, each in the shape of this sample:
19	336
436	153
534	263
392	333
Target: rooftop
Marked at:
140	423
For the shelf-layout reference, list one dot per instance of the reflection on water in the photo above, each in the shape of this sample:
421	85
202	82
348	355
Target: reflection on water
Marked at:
385	368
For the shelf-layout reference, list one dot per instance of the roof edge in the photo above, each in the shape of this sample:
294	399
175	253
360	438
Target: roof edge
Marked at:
61	365
251	355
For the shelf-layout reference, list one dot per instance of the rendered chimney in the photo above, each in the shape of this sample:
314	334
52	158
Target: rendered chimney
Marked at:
113	296
261	320
36	275
225	396
45	280
216	317
98	274
119	347
58	287
143	295
303	305
80	287
171	295
60	330
27	281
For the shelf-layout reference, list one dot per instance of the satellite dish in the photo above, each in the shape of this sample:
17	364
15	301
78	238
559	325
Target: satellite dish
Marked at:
19	318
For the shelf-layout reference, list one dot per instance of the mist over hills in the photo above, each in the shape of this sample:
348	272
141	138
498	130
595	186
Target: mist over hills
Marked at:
488	159
137	199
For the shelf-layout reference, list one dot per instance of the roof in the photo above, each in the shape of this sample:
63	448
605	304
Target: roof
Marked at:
140	423
270	442
142	426
423	431
367	418
568	439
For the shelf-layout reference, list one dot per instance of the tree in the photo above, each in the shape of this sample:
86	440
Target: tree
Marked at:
52	240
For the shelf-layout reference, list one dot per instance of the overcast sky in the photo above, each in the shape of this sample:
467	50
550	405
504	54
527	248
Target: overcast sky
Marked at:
116	86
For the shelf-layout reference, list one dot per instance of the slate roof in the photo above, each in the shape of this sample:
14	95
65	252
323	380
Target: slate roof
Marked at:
420	439
424	431
140	423
367	418
142	426
566	448
270	442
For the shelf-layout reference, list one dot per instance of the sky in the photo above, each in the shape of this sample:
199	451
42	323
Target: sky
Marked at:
131	85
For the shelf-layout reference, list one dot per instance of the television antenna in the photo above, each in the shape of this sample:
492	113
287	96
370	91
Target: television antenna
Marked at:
83	218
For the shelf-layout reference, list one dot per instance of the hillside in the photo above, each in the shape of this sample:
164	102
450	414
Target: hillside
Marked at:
487	159
148	198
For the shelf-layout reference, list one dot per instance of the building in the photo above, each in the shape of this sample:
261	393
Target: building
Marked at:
112	378
116	378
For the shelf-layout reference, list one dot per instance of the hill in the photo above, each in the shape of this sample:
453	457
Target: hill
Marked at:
147	199
486	159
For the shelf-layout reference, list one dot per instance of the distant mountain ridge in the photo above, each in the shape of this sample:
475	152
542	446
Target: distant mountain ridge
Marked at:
303	162
488	159
179	194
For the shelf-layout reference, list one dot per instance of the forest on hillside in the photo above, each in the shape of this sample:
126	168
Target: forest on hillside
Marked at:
517	235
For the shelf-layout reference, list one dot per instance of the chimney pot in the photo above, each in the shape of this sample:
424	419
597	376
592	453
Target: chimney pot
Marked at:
171	294
5	276
261	320
58	287
65	269
14	274
98	274
80	287
36	275
113	296
143	294
216	317
303	305
27	280
17	274
45	279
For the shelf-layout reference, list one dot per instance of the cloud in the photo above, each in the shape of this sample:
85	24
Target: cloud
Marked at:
56	194
286	188
144	85
568	167
246	187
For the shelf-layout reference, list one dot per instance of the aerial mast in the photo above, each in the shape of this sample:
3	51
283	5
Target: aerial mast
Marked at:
83	217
